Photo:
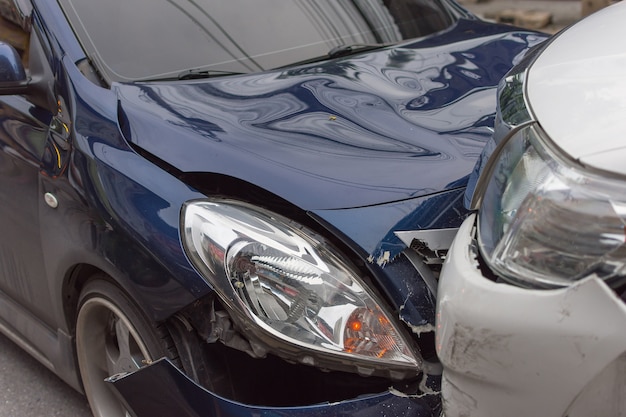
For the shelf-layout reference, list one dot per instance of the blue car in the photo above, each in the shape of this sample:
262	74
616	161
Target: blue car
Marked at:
239	208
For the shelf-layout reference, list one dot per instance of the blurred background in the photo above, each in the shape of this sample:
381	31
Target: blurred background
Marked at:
545	15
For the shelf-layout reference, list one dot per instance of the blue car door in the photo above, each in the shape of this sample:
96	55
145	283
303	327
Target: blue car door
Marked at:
24	134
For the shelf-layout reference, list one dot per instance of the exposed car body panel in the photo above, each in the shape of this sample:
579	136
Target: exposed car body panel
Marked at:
307	133
500	362
579	76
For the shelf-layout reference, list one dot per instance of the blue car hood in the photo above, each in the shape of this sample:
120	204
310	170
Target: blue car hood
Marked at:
383	126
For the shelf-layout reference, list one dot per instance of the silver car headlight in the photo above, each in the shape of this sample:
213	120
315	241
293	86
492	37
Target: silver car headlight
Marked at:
290	289
544	221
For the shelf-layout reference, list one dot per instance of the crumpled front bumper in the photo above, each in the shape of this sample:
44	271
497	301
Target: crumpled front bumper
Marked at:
509	351
162	390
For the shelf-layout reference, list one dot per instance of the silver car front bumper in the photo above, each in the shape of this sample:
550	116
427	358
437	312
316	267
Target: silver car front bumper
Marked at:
509	351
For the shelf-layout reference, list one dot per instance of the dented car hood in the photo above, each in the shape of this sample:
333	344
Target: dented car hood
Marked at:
377	127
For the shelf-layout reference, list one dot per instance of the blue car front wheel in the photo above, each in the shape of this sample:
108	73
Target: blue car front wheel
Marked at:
113	337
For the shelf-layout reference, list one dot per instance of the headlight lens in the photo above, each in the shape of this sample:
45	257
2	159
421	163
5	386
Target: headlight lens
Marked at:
284	283
545	222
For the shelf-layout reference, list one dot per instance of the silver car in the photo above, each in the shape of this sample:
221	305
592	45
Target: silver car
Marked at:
531	313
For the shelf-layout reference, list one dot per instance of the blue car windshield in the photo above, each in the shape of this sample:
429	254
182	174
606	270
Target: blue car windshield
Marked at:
151	39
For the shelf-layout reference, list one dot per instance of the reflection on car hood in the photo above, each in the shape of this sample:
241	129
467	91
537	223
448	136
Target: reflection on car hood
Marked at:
376	127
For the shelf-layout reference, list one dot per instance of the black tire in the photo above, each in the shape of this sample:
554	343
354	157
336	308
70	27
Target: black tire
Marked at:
113	336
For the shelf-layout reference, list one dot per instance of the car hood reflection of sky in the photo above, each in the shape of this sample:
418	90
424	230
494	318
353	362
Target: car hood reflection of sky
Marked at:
378	127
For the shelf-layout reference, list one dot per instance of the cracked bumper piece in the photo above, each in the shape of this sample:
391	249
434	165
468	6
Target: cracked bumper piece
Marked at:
509	351
161	390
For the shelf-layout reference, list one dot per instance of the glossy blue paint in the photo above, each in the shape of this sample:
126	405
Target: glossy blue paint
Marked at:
51	20
374	230
400	123
126	200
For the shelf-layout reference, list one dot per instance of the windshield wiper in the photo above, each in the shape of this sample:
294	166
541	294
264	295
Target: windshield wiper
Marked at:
339	51
344	50
193	74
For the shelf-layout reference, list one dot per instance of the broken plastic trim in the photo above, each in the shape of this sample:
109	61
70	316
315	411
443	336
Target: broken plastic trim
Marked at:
432	245
161	389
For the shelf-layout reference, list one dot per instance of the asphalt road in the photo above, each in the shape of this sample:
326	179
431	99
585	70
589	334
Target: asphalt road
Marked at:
28	389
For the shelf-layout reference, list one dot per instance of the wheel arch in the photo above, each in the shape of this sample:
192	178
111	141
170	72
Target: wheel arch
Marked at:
75	279
79	275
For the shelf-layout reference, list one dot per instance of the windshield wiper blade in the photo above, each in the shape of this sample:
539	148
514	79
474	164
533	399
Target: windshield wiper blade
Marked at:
339	51
344	50
193	74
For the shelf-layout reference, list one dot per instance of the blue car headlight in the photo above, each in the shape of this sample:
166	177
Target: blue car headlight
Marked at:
290	289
